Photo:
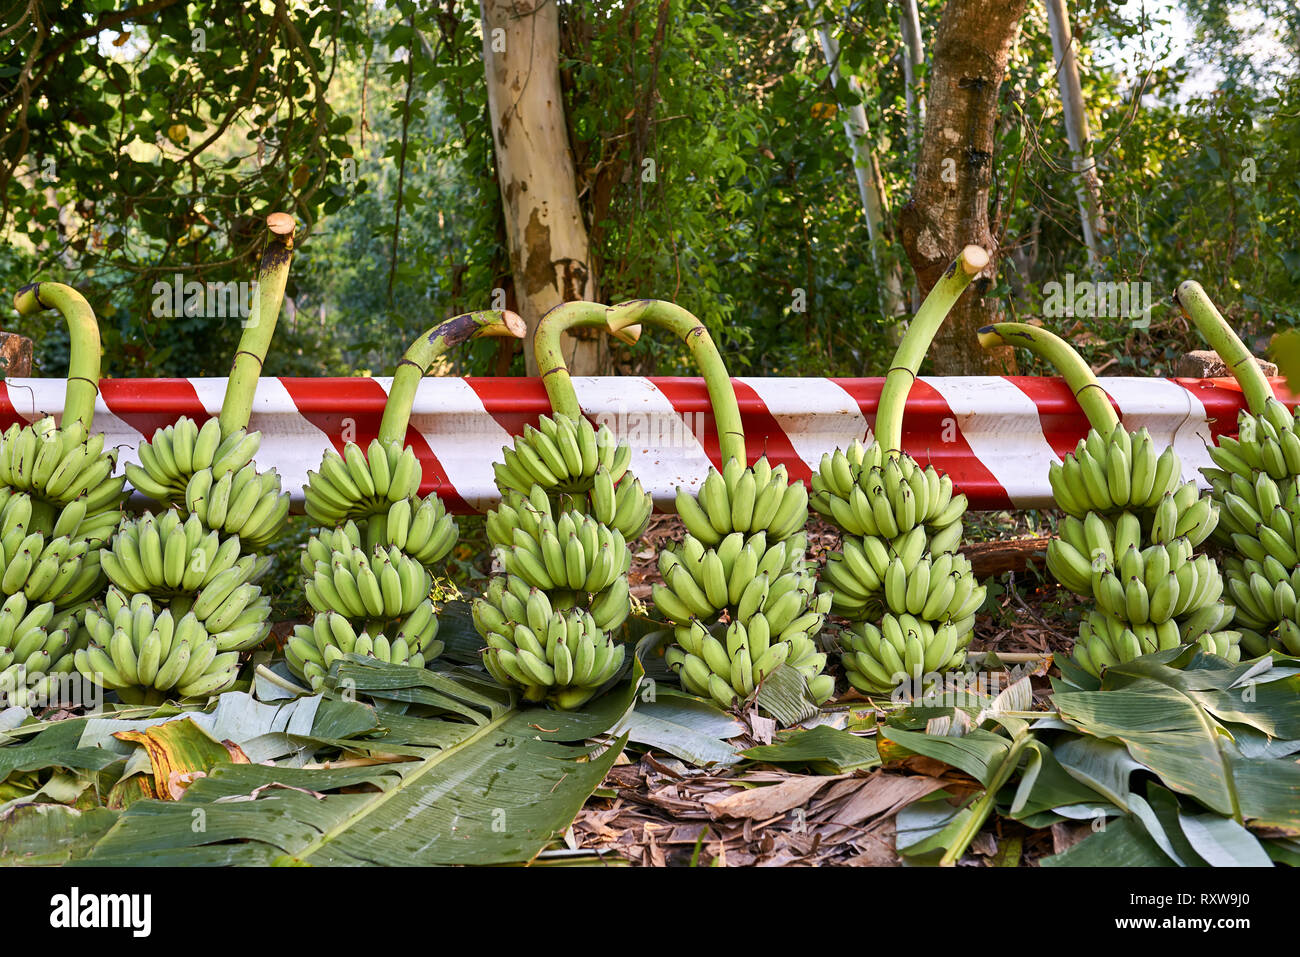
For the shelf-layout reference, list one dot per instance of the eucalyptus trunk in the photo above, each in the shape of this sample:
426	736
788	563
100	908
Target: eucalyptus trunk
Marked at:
550	256
949	206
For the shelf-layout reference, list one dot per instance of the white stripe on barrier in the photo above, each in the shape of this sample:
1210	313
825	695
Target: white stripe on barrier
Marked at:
666	451
451	417
1010	444
817	415
1170	413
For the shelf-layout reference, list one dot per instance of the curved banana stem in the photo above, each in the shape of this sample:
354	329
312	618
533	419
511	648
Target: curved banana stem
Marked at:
84	348
547	347
1196	306
419	358
272	274
1078	376
722	395
916	343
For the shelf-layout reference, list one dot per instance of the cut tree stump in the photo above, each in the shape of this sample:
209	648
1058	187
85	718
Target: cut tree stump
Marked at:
990	559
15	355
1206	364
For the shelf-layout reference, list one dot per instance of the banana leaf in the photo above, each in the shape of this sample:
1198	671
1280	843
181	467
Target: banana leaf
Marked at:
822	749
1175	712
50	834
686	727
490	783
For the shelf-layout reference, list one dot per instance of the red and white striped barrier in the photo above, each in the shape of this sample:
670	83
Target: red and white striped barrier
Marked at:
995	436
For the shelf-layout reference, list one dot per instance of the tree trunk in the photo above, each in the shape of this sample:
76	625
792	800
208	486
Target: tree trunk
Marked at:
949	207
874	202
913	58
1087	185
545	233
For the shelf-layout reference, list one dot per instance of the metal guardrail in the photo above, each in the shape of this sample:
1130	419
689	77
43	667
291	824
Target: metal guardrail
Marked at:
994	435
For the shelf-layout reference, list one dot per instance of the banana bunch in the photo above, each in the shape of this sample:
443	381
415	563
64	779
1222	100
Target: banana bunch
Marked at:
382	585
1107	474
246	503
561	456
1266	443
176	452
35	643
1265	595
775	621
928	617
418	527
855	575
608	492
877	658
739	499
573	553
357	484
60	465
142	652
164	556
866	493
561	655
700	582
1104	641
1151	591
53	564
312	649
189	568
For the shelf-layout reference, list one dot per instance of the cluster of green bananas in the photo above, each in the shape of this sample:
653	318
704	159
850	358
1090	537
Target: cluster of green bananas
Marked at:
1106	474
926	610
312	649
562	455
60	465
177	452
740	499
247	503
700	582
34	644
192	569
343	578
167	556
1150	588
1265	595
357	484
568	508
560	655
142	652
63	569
877	658
774	624
572	553
1266	443
866	493
1105	641
1256	485
855	575
419	527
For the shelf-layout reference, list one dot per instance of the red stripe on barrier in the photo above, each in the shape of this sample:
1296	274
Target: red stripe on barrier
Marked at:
689	398
866	393
148	405
357	407
513	402
764	435
1059	413
927	416
8	414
